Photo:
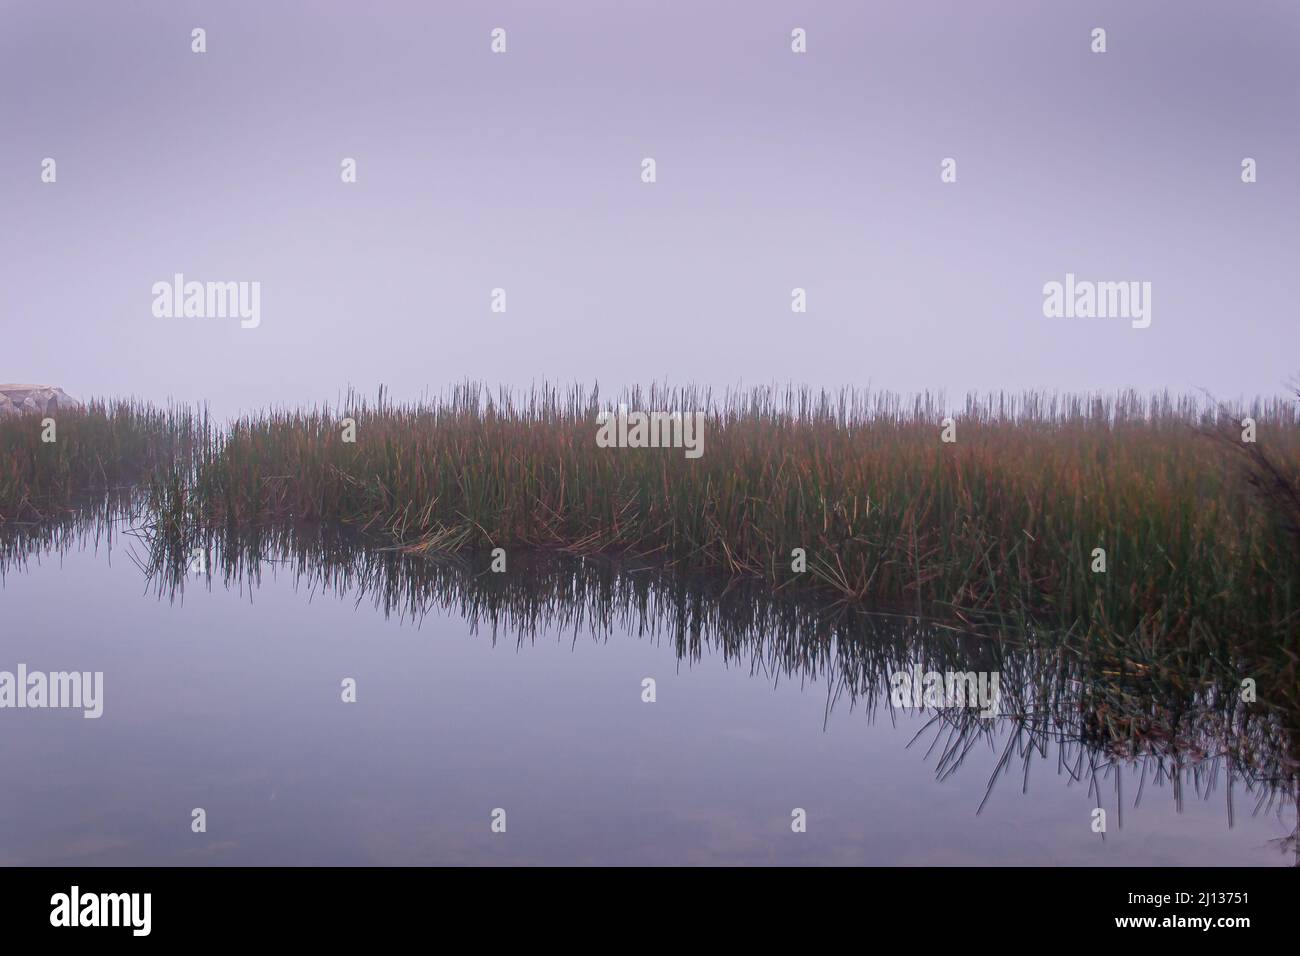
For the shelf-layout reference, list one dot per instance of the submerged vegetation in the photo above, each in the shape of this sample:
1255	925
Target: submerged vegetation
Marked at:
998	529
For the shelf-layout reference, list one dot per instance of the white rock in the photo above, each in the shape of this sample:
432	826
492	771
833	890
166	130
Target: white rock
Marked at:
43	399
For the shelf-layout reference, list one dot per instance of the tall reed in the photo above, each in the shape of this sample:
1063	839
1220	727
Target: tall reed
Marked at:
999	527
107	447
1001	524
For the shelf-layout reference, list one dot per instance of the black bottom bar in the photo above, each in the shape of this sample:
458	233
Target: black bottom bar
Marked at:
367	905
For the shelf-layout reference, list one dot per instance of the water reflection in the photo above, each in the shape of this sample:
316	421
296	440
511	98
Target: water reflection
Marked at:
1100	715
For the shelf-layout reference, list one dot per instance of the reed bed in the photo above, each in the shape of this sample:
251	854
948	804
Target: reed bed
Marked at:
104	449
1002	522
993	529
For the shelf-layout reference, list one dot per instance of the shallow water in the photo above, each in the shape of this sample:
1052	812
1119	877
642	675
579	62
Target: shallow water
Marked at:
523	691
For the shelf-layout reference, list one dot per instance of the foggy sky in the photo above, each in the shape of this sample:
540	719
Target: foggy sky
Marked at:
522	171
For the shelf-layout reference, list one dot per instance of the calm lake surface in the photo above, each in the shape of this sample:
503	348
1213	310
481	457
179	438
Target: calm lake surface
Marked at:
523	691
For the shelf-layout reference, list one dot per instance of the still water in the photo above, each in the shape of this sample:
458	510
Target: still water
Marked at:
524	692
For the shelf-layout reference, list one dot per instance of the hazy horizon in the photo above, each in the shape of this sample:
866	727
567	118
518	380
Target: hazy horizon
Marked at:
775	170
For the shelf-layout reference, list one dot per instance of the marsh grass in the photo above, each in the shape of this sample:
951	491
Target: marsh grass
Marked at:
105	449
1000	525
996	530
